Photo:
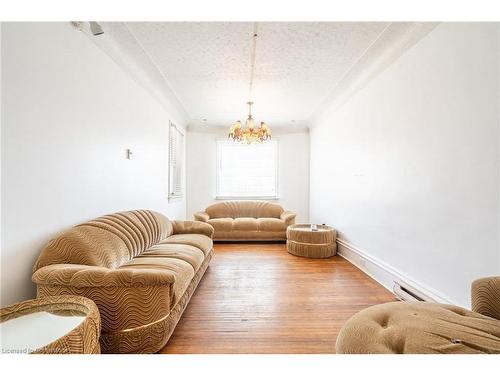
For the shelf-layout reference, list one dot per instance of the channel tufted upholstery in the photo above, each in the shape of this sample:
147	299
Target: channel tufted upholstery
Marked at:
247	220
485	295
137	266
422	327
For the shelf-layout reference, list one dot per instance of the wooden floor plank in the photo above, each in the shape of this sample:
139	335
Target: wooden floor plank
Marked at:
257	298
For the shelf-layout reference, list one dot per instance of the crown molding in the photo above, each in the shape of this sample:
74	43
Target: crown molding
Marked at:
121	45
391	44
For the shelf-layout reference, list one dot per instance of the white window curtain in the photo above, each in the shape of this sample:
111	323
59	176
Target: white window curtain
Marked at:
247	171
175	163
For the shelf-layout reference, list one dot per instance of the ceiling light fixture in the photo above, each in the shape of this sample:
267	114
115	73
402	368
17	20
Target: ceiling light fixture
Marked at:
249	133
95	28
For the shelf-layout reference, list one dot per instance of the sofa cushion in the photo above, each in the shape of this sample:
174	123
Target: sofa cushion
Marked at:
107	241
200	241
246	224
139	229
85	245
182	270
417	328
267	224
235	209
222	225
245	235
187	253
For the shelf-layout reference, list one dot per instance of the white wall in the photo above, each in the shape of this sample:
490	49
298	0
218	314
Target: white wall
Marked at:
293	169
68	115
498	118
408	169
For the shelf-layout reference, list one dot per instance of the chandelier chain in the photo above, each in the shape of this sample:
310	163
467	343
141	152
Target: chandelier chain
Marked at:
249	133
252	60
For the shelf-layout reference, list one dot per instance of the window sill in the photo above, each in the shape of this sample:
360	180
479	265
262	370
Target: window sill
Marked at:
175	198
268	198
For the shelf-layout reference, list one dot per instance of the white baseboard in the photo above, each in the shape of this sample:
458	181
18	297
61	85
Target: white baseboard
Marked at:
385	274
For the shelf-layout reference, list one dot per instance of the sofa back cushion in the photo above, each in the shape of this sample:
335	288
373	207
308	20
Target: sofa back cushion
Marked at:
108	241
236	209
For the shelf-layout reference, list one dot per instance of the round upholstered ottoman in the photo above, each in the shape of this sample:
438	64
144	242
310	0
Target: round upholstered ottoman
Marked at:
419	327
304	242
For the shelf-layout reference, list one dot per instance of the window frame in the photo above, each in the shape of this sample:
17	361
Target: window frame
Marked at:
253	197
172	195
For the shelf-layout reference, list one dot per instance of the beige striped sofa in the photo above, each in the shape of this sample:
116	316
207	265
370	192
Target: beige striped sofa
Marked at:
247	220
139	268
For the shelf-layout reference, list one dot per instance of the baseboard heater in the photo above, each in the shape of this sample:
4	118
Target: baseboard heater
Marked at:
406	293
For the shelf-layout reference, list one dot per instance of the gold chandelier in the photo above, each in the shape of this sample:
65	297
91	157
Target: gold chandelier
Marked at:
250	133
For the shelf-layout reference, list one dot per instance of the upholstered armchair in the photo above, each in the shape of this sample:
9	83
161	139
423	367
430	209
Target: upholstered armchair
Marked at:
485	297
424	327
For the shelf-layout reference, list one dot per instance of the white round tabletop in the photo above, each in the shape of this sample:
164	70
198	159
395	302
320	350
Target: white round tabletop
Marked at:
51	325
27	333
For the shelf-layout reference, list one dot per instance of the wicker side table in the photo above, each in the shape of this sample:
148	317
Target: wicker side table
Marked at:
304	242
51	325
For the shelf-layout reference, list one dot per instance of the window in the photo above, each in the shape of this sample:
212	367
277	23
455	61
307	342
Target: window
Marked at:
175	163
247	171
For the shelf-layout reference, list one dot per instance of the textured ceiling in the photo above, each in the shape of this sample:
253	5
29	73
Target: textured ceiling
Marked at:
298	65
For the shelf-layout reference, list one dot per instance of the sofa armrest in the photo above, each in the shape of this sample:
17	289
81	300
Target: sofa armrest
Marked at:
288	217
80	276
485	295
125	297
201	216
192	227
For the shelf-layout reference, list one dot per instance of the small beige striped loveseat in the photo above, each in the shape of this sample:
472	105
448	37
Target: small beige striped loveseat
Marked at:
247	220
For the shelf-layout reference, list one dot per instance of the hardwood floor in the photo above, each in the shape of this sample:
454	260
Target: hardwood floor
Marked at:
257	298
